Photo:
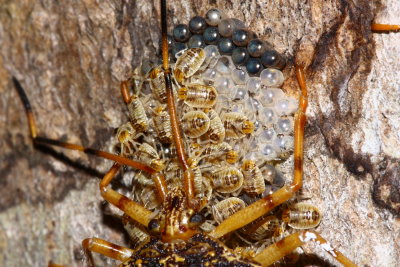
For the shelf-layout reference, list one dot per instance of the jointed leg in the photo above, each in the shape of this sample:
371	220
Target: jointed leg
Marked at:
375	27
125	91
130	207
105	248
283	247
264	205
46	141
134	210
102	247
51	264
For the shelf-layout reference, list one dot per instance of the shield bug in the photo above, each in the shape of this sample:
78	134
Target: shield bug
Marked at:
337	229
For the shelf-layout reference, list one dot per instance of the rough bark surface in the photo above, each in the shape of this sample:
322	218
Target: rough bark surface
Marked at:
71	55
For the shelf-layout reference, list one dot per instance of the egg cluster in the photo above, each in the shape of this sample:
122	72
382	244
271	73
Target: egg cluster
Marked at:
231	37
253	91
235	120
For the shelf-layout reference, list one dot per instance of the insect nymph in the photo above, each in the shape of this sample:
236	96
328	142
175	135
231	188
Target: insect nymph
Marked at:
177	201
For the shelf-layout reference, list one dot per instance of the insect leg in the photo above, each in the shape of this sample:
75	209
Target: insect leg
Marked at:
130	207
375	27
264	205
105	248
299	123
54	265
125	91
283	247
46	141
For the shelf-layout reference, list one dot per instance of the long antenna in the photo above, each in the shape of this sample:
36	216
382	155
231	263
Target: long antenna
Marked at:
176	133
164	37
188	180
52	142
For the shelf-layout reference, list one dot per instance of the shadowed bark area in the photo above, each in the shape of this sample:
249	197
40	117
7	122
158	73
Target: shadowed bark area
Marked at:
70	58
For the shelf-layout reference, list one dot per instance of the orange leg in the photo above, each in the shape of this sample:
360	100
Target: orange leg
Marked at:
285	246
264	205
125	91
46	141
51	264
375	27
105	248
134	210
130	207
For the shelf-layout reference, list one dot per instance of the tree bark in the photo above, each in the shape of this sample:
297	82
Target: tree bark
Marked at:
71	55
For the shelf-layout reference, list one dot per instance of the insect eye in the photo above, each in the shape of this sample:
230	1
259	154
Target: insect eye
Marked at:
196	220
154	226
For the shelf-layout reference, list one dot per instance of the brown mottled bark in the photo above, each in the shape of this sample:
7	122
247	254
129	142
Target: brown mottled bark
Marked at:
71	56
